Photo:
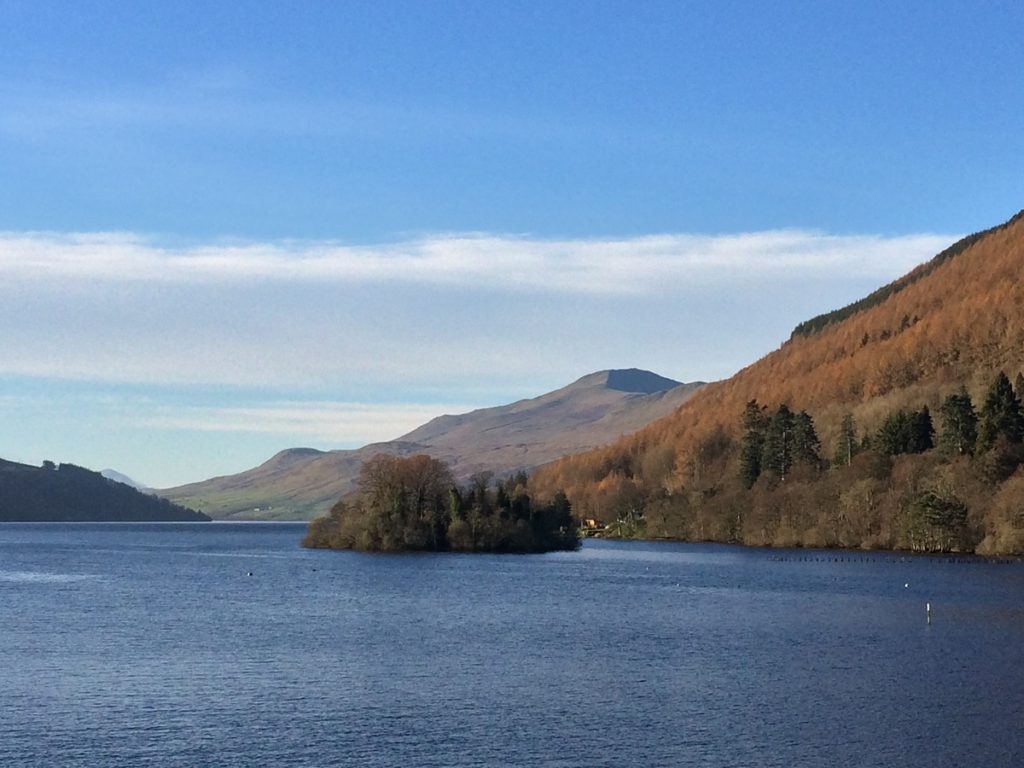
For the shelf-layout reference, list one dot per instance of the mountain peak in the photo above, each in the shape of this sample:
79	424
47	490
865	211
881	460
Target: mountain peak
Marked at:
633	380
119	477
638	380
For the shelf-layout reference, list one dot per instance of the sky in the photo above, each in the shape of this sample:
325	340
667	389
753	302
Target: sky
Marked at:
227	229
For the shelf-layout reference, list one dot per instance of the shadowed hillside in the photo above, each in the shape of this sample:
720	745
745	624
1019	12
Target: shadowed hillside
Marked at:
954	322
302	483
66	493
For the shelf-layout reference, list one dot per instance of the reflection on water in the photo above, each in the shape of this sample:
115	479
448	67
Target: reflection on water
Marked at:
135	645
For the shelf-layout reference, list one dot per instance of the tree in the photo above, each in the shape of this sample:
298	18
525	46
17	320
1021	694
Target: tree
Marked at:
455	508
959	424
754	423
903	432
894	434
407	500
778	442
921	432
846	445
1000	415
938	521
806	445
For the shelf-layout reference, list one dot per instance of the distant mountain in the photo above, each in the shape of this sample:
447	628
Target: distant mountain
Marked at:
953	322
67	493
301	483
117	477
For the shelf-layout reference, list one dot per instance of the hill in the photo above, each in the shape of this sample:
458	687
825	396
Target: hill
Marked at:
302	483
67	493
956	321
119	477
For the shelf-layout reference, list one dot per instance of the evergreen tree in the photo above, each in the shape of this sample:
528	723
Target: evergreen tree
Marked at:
806	445
903	432
894	434
921	432
1000	415
1018	386
959	424
846	446
778	442
754	423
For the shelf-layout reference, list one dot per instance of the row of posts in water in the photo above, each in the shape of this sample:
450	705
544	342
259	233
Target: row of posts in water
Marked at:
972	560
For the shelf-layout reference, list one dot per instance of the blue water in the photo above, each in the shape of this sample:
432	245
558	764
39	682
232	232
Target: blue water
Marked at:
150	645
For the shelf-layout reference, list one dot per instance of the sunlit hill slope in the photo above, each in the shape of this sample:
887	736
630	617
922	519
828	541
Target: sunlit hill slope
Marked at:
955	321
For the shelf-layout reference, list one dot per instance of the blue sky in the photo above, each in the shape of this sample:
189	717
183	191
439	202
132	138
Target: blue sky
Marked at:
227	229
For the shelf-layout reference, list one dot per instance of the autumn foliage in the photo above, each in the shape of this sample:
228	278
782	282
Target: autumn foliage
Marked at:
951	325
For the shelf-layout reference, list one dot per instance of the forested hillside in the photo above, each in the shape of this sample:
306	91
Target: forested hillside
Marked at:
68	493
856	378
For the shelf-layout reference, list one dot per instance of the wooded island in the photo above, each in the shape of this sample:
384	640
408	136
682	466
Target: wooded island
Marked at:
414	504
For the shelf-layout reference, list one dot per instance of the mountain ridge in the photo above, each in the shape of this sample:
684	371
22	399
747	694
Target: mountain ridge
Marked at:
522	435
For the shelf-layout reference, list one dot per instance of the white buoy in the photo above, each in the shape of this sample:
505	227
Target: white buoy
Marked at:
907	585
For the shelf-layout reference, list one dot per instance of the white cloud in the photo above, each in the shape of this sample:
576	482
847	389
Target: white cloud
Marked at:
650	265
260	346
445	314
325	421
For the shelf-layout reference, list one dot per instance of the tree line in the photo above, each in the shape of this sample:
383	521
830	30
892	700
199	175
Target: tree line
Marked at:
925	478
934	517
414	504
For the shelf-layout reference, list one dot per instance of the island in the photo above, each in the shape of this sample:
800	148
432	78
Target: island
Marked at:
414	505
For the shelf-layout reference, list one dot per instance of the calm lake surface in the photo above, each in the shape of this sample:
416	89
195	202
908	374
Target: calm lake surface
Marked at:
150	645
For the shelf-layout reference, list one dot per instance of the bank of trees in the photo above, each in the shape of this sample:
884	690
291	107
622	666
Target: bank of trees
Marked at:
775	443
414	504
937	477
906	484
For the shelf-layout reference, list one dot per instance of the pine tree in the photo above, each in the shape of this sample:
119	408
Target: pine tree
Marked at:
921	432
778	442
959	424
806	445
846	446
1000	415
754	423
894	434
903	432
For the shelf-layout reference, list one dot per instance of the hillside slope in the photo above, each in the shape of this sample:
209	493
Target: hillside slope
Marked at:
67	493
302	483
955	321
